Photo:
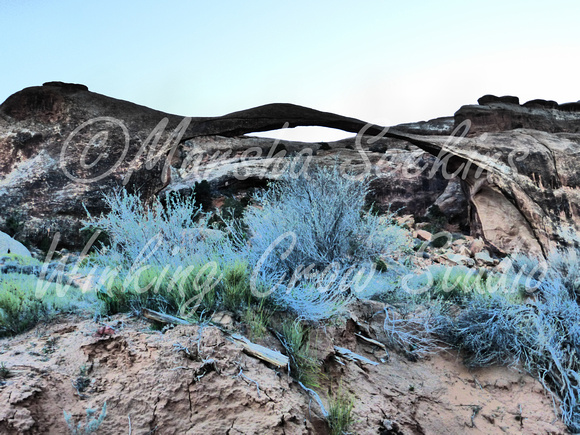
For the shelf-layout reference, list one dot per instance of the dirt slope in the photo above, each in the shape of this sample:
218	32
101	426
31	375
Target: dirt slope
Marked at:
152	387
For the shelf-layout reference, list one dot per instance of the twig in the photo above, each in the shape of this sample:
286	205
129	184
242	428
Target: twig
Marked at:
477	382
81	395
370	340
350	355
130	429
241	374
476	410
314	394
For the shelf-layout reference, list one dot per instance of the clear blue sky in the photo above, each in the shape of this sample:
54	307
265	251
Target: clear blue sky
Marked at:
382	61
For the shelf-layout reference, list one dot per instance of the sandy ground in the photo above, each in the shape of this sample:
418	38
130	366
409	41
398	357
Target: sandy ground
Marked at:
151	387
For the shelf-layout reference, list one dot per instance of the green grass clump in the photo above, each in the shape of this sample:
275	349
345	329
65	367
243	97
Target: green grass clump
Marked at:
257	318
235	286
340	414
303	366
177	290
4	371
25	300
21	260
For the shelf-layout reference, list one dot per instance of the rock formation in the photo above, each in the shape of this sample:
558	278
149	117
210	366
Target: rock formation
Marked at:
62	147
509	178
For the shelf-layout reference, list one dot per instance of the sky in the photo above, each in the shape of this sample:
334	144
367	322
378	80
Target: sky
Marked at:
381	61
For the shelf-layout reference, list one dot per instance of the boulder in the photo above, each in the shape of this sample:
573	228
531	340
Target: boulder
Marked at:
522	186
541	104
10	246
407	220
476	246
488	99
452	202
462	250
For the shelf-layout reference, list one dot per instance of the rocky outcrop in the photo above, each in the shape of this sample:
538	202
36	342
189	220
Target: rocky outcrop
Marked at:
194	380
510	177
522	185
47	180
62	146
495	114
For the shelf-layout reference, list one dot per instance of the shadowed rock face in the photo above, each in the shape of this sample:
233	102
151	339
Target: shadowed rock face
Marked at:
49	188
515	170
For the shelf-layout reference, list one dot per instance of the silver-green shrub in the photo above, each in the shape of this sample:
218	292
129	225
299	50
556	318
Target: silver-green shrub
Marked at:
313	245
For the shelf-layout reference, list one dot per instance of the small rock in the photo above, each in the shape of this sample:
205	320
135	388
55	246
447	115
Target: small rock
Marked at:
459	242
502	384
223	318
459	259
104	331
406	220
477	246
390	427
464	251
423	235
483	258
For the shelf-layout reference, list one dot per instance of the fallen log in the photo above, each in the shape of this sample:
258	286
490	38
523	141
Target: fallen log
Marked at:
163	318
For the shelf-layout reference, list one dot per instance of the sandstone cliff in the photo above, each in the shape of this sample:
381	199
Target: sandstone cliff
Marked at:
500	170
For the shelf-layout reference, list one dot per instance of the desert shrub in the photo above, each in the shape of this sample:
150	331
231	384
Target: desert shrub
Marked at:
542	335
25	301
561	265
136	230
415	329
4	371
324	210
91	424
14	223
310	238
233	209
19	260
203	195
163	257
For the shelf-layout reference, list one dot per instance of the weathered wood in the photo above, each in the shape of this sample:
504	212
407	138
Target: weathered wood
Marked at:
270	356
371	341
350	355
265	354
163	318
